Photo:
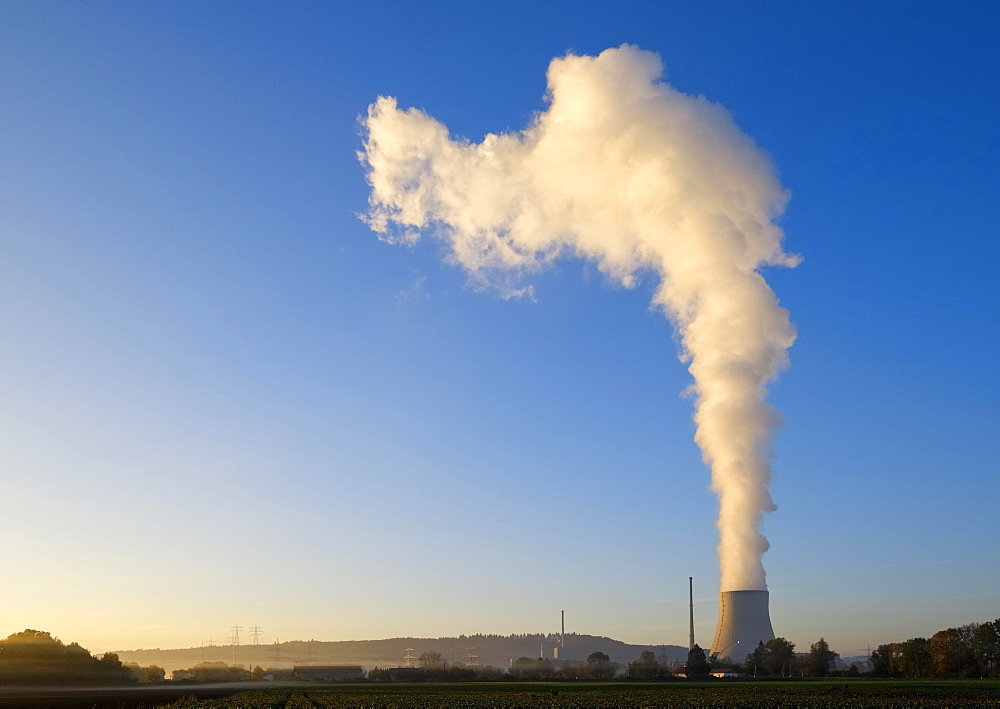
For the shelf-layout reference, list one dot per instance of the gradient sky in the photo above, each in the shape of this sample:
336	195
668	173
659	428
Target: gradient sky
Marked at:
225	400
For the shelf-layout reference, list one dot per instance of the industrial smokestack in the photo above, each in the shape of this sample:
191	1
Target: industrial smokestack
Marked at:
691	608
744	621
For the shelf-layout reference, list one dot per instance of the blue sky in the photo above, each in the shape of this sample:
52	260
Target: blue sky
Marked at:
225	400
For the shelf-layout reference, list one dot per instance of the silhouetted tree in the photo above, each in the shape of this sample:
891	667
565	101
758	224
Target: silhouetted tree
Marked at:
882	659
147	675
987	645
35	657
645	666
765	659
820	658
523	668
697	663
754	664
912	659
430	661
953	653
600	666
778	656
212	672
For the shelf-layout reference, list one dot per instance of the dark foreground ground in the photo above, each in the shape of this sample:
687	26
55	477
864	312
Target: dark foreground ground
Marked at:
727	693
124	697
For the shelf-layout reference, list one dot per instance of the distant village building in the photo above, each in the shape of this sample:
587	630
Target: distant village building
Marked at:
405	673
328	673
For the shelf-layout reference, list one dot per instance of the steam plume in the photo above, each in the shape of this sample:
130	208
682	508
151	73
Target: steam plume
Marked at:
625	171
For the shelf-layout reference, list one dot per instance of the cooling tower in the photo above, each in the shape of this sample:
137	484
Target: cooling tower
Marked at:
744	621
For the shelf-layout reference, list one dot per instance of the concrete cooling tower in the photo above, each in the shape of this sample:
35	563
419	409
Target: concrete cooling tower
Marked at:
744	621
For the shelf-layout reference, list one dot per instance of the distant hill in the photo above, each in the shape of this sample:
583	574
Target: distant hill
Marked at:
497	650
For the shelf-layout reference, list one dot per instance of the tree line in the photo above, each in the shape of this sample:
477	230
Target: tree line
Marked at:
971	650
34	657
775	658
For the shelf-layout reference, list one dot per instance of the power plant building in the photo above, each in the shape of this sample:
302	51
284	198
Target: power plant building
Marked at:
328	673
744	622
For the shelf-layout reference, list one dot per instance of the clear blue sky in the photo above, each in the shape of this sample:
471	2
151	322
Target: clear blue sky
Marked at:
224	400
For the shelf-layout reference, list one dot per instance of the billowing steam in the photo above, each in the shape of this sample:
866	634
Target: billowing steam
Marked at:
639	178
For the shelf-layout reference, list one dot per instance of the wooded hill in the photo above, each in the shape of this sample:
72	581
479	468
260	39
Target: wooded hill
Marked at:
496	650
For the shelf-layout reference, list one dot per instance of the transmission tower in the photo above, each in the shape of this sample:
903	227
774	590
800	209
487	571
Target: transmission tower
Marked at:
255	634
236	634
206	643
409	657
471	659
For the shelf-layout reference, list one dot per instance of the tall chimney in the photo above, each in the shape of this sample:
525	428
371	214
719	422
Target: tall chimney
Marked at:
691	609
744	621
562	635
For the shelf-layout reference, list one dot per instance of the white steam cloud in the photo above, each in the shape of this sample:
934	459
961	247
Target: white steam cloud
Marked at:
625	171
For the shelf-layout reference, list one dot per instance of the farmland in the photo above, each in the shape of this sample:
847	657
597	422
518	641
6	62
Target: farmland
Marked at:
767	693
958	693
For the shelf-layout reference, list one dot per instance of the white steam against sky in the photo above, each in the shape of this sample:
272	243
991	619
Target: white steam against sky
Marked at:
637	177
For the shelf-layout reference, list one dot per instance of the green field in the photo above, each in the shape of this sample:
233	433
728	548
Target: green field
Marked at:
842	693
